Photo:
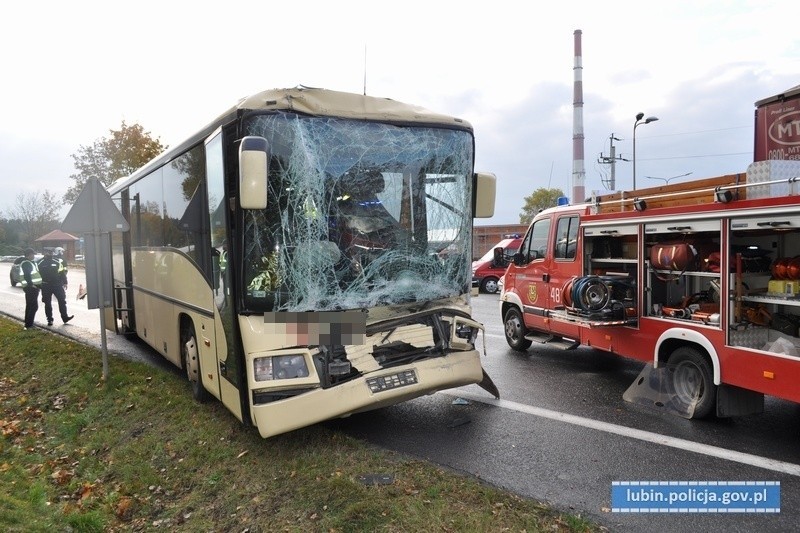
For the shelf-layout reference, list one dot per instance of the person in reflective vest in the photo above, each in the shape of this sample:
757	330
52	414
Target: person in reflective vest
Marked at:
31	280
54	283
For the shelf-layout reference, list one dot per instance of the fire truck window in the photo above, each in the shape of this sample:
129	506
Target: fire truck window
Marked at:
566	238
535	245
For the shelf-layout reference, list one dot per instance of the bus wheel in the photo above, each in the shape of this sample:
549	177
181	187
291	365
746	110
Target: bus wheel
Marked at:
191	361
515	330
489	285
693	380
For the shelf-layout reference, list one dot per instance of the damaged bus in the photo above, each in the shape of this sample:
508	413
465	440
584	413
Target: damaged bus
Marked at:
306	256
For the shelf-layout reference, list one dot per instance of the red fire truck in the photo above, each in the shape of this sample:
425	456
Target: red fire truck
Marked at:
699	279
487	271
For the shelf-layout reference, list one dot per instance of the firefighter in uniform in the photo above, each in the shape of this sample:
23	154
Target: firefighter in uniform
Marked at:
54	283
31	280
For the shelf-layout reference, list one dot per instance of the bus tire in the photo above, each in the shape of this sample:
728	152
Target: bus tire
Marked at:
191	361
514	327
489	285
694	380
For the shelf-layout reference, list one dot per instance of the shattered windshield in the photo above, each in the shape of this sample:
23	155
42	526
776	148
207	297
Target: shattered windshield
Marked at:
359	214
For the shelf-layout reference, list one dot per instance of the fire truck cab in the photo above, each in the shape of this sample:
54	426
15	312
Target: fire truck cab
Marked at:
700	279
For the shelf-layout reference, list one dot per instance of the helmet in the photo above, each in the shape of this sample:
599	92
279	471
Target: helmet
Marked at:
58	252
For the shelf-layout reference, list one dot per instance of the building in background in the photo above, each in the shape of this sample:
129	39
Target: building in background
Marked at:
60	239
484	237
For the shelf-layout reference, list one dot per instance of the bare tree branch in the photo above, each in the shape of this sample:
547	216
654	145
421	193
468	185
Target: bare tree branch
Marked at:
37	213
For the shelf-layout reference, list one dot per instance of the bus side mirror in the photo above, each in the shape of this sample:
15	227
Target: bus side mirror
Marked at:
253	172
484	190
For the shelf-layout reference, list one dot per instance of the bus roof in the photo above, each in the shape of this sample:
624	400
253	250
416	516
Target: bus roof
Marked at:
325	102
309	101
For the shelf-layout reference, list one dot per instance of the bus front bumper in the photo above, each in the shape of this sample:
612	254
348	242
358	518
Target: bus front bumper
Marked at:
372	391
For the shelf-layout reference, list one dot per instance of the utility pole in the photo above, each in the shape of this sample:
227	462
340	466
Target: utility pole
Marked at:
611	160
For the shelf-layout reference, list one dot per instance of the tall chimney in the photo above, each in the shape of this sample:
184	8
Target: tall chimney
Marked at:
578	171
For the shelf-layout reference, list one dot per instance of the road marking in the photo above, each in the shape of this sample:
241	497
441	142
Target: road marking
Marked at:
647	436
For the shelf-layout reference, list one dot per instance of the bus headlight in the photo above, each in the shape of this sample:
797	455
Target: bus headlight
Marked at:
279	367
463	331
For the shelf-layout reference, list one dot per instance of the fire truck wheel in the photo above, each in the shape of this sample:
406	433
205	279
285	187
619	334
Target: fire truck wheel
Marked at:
515	330
489	285
694	380
191	360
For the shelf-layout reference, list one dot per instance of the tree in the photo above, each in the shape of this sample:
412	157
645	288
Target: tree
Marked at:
37	214
116	156
539	199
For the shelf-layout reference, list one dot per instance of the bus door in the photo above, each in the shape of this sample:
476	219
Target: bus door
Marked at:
121	315
225	357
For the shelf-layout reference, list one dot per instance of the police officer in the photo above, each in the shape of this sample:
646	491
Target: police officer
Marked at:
31	280
54	283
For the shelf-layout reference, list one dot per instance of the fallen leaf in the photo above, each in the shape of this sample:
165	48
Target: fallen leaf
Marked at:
85	491
10	428
61	477
123	508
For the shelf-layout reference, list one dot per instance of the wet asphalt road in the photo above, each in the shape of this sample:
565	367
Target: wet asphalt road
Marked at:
85	327
531	446
571	466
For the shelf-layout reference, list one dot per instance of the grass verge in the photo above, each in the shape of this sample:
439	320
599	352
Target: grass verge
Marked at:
137	453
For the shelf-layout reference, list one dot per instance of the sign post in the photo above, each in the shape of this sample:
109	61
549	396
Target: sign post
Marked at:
95	216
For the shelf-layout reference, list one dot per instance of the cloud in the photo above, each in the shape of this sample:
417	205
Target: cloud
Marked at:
28	166
697	67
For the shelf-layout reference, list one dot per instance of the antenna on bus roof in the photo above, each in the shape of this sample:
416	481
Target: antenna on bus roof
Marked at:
365	70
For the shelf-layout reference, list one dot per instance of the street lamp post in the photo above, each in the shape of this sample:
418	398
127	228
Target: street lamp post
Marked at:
667	180
639	120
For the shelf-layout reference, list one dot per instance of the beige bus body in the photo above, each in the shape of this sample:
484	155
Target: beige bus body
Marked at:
164	295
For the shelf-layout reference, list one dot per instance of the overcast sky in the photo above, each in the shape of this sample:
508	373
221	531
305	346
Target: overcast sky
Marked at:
74	70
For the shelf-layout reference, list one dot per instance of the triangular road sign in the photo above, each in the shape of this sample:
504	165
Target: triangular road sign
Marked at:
94	211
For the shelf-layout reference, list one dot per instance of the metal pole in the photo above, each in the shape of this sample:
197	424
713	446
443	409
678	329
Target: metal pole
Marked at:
635	124
613	153
634	157
648	120
96	235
